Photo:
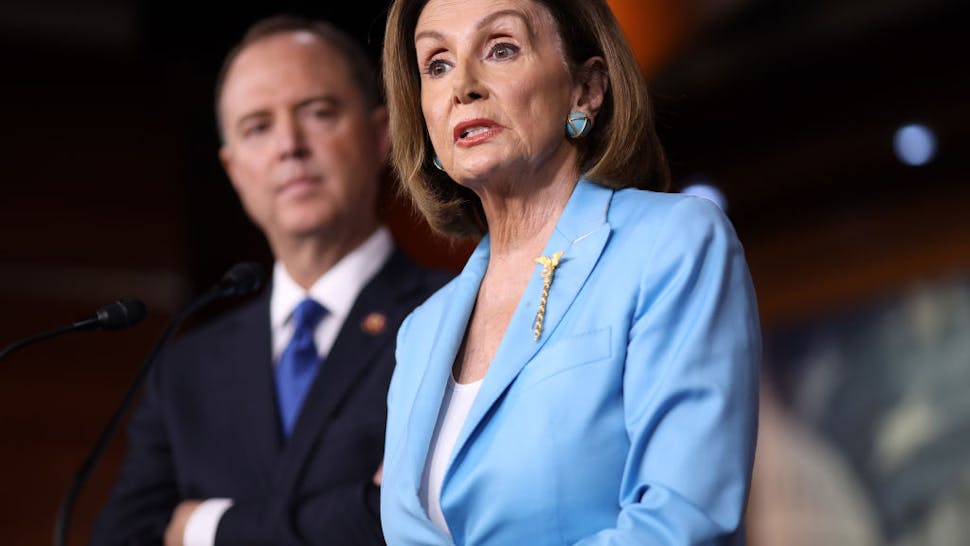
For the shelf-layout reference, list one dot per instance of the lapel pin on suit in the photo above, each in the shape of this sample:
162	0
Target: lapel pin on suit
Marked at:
374	323
548	269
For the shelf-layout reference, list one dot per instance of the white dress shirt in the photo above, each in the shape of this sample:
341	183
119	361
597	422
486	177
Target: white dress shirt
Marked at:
336	290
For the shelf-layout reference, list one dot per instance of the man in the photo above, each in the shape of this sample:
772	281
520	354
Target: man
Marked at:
267	426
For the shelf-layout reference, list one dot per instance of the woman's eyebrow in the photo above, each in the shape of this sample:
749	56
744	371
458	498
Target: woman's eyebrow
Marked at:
428	34
489	19
484	22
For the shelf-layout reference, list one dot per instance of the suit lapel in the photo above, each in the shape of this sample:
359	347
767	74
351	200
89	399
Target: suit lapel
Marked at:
353	354
581	233
447	342
247	352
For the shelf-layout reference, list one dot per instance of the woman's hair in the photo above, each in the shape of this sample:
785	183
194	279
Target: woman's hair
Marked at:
621	151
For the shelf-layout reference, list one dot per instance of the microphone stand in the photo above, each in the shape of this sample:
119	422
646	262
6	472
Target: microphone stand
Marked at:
240	279
63	523
120	314
20	343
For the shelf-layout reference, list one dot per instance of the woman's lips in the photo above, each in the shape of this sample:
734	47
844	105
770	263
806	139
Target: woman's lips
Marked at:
475	131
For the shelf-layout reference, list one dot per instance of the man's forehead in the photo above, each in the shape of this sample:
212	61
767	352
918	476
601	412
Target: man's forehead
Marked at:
299	50
288	66
304	37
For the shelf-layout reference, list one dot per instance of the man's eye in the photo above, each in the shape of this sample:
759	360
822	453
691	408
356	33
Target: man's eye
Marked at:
256	129
503	51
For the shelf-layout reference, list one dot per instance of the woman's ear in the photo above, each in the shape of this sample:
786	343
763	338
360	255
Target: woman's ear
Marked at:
592	83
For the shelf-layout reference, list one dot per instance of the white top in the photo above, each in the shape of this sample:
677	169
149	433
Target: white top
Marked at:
336	290
455	406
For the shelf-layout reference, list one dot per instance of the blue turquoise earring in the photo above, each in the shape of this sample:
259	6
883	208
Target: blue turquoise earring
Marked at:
578	124
437	163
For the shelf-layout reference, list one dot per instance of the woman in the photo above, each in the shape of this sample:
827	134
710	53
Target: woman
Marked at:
606	394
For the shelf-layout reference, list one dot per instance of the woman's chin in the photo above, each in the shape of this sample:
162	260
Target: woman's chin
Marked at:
481	173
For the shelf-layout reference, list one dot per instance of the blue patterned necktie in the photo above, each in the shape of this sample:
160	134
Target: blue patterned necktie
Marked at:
298	364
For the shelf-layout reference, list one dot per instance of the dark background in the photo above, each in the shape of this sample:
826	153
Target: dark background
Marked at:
111	185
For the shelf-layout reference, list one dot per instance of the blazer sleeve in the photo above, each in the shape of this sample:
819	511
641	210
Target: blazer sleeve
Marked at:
145	492
690	388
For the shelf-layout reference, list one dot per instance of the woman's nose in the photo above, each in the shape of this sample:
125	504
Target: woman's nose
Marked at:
467	86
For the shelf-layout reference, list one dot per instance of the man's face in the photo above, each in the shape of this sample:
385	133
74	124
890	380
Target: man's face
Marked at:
301	146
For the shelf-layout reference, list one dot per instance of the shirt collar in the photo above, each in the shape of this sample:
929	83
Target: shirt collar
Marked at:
338	288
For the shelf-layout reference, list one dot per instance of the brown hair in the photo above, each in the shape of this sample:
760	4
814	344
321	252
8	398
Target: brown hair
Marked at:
360	66
621	151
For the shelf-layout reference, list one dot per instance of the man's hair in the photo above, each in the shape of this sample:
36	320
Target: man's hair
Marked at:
360	66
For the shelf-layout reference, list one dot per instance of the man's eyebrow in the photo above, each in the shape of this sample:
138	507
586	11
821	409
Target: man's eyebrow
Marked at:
330	100
484	22
256	114
252	115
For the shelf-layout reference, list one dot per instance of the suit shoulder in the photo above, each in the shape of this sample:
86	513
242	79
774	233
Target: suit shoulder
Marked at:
434	279
649	207
650	214
200	335
431	308
408	277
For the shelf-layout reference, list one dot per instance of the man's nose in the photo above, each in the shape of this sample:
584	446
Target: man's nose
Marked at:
291	140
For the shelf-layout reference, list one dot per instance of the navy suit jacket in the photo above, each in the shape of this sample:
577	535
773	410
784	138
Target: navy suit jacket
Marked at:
208	427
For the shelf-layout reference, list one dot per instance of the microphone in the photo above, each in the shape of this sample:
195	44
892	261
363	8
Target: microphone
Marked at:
114	316
120	314
241	279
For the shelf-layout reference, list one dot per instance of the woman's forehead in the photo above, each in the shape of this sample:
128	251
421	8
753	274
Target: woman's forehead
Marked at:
462	16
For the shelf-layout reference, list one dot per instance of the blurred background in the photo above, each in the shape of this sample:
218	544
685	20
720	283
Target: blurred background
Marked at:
833	132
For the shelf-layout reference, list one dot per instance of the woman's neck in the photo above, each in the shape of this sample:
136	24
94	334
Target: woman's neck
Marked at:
522	211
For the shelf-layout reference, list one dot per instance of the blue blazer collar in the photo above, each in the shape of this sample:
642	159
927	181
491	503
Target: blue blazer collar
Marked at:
581	233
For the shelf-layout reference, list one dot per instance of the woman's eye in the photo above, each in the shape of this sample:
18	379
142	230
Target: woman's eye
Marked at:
437	68
503	51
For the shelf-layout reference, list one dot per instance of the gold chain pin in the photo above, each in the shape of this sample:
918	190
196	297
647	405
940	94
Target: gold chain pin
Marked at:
548	268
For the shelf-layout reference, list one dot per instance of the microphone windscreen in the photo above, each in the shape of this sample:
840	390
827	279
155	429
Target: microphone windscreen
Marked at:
120	314
241	279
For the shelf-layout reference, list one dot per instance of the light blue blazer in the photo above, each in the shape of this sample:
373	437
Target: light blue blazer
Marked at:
631	420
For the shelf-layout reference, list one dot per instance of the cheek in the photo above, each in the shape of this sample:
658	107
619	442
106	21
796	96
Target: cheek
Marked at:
545	105
338	150
349	161
435	119
254	195
246	179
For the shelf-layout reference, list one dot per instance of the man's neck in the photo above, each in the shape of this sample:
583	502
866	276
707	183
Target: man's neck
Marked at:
308	258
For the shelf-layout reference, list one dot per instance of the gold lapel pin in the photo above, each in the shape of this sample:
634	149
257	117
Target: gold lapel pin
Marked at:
548	268
374	323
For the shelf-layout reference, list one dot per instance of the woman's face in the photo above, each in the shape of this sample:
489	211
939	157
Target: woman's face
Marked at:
495	88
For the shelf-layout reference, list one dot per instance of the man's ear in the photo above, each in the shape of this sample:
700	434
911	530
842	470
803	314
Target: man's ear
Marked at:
592	83
226	157
379	120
